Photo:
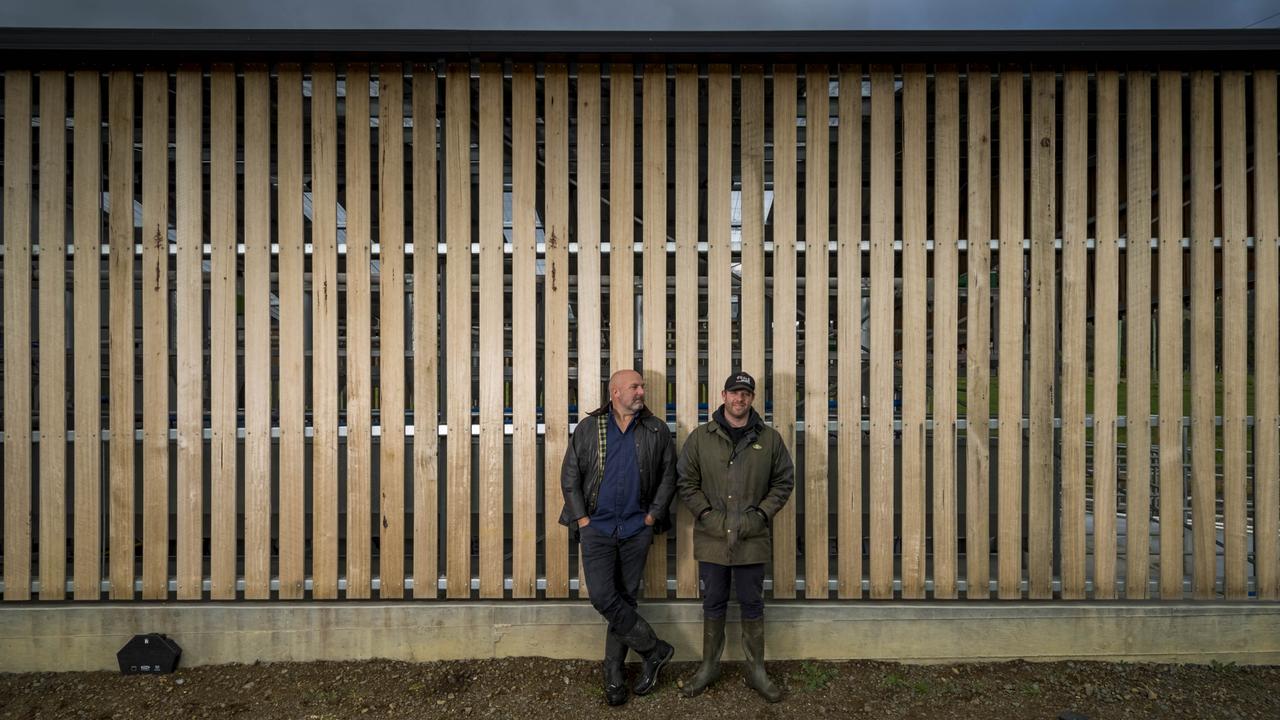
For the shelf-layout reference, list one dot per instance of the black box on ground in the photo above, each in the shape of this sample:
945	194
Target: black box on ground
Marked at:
150	653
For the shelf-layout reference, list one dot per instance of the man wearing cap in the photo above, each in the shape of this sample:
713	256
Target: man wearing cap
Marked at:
618	480
735	474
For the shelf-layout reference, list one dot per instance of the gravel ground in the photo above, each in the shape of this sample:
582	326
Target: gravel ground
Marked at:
538	687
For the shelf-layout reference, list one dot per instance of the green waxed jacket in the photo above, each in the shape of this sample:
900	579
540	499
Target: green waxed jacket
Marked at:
732	481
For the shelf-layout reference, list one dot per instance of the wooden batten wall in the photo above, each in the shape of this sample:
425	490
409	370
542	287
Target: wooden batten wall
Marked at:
323	330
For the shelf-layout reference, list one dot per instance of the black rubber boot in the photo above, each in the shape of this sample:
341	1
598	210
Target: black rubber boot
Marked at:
655	653
615	680
712	647
753	648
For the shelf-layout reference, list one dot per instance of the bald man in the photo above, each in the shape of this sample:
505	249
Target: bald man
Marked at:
618	480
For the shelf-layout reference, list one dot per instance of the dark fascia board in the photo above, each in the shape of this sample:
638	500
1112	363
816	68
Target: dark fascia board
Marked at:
33	47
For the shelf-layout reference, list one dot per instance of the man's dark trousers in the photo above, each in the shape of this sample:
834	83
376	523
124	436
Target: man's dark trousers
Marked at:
614	567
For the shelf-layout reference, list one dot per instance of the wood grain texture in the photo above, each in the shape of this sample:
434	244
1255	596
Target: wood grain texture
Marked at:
556	323
1138	336
588	306
1075	306
357	324
946	273
849	335
1044	332
491	332
87	340
17	336
751	130
524	385
223	299
882	347
291	291
622	160
654	309
914	328
257	333
324	333
155	336
52	335
1266	478
816	328
1235	328
1170	355
391	316
978	337
1106	359
190	314
457	279
426	334
120	392
783	380
719	233
1202	340
1010	359
719	158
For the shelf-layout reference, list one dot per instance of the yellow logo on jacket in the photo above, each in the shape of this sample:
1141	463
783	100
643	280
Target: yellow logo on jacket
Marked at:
757	446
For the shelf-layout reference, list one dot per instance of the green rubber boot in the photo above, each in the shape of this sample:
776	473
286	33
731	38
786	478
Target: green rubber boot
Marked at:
712	647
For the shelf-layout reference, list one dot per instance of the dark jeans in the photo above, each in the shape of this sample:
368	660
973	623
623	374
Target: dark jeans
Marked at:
749	581
613	567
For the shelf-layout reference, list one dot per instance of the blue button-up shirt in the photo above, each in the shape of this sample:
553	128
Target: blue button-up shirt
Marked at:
618	511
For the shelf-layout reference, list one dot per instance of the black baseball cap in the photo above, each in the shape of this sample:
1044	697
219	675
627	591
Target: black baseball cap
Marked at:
740	381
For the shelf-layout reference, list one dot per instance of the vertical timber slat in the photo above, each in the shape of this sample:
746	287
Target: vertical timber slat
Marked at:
718	167
1267	344
1235	307
1009	473
426	366
849	341
188	179
719	232
751	330
622	130
292	449
359	381
491	331
17	345
946	193
524	471
589	271
1106	336
53	340
222	332
915	289
978	338
1075	284
457	174
1138	337
1044	332
783	381
556	322
654	317
882	303
120	458
87	227
391	329
155	336
324	337
257	334
817	329
1202	340
1170	336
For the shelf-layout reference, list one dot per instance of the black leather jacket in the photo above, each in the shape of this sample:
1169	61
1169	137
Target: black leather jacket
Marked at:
581	474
